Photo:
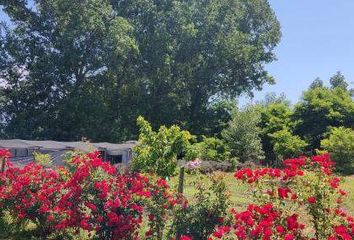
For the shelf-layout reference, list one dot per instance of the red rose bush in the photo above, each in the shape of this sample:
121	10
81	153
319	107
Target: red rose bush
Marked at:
90	196
304	186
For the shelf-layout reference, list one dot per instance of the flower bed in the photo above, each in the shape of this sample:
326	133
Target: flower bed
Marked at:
300	201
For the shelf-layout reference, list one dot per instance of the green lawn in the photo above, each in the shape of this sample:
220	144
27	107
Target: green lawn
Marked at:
240	194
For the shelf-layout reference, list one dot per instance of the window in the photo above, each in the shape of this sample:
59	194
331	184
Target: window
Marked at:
102	155
116	159
20	152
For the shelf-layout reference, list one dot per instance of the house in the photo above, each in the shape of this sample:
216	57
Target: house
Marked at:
22	150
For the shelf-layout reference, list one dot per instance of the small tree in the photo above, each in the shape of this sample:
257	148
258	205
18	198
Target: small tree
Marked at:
340	144
287	145
242	135
157	151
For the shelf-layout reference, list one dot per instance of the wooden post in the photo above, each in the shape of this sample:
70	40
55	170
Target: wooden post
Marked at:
180	191
181	180
3	162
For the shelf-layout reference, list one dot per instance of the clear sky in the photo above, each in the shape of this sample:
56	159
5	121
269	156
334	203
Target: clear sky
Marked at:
317	40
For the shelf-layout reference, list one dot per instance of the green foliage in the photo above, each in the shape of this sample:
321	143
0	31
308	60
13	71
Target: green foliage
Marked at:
242	135
316	83
91	67
338	80
209	208
320	109
340	144
157	152
42	159
210	149
287	145
219	113
278	139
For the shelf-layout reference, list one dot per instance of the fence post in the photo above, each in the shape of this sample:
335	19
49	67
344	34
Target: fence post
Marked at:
3	162
181	180
180	191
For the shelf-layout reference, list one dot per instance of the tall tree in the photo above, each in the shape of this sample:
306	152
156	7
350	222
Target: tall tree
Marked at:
317	83
61	60
278	138
90	67
191	51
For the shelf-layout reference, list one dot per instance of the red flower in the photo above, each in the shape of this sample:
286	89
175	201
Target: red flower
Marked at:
311	200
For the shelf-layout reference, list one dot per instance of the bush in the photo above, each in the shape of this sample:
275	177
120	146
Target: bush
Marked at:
42	159
157	152
208	166
340	144
287	145
210	149
88	197
209	208
303	185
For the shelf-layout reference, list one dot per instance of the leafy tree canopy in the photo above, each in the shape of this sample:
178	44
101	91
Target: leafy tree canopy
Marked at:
340	144
278	138
90	67
320	109
242	135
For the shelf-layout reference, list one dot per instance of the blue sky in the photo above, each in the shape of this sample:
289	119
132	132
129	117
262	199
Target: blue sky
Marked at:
317	40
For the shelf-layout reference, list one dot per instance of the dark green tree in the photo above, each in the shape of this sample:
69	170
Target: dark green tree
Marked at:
317	83
90	67
320	109
192	51
338	80
61	61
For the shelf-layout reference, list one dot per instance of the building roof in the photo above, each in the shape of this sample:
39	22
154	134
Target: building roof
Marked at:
111	148
15	143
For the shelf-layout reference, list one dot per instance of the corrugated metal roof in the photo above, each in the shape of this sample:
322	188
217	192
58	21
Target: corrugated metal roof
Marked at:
81	146
15	143
47	144
55	145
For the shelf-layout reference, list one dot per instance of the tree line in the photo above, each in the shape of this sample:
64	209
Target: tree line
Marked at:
274	130
264	133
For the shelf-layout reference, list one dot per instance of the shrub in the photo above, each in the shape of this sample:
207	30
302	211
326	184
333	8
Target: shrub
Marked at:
287	145
197	219
303	185
42	159
210	149
340	144
209	166
90	196
157	152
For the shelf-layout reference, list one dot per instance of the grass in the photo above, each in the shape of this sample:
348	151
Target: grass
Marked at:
348	186
240	194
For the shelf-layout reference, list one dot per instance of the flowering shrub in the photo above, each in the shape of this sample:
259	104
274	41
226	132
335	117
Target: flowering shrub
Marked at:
91	196
98	199
208	209
303	185
158	206
32	194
